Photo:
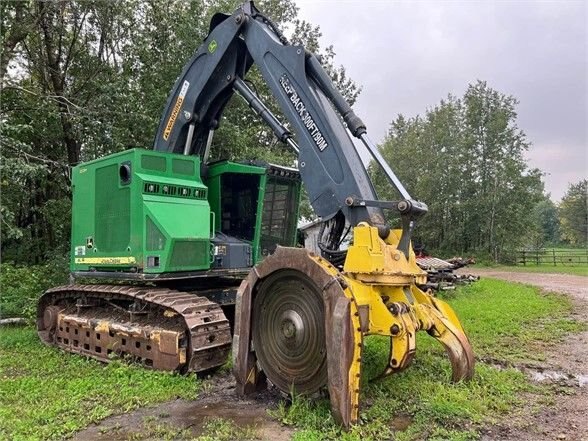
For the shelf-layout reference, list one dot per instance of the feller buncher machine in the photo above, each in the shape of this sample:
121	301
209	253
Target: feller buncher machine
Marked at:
165	242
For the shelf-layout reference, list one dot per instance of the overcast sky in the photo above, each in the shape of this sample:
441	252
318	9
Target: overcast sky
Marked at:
410	55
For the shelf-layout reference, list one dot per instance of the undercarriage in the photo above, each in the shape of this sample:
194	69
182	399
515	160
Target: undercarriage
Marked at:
157	327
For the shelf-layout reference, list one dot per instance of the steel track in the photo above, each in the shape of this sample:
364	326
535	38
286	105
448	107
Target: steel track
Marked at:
158	327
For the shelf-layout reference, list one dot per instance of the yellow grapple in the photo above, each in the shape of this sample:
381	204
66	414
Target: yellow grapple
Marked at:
375	294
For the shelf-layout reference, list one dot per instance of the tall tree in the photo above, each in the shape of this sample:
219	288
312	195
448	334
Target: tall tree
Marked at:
546	220
83	79
16	22
464	157
573	213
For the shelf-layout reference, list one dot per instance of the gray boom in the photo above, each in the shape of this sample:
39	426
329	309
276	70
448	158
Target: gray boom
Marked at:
331	169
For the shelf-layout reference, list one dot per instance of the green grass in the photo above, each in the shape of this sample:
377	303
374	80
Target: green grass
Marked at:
505	322
45	394
578	270
220	429
512	322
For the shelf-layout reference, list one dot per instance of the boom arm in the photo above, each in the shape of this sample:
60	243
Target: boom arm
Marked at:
281	303
330	166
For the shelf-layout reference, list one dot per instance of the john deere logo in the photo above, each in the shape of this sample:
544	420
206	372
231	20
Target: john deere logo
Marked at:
212	46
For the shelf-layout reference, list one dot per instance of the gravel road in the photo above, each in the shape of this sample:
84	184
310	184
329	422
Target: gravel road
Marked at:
566	418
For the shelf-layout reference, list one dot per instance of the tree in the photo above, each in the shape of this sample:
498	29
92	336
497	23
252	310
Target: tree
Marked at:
16	22
573	214
84	79
546	214
62	63
464	158
544	228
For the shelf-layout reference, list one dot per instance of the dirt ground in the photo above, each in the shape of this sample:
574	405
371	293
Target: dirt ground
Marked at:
566	369
218	401
574	286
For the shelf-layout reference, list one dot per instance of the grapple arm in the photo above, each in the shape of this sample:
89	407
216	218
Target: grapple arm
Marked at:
375	294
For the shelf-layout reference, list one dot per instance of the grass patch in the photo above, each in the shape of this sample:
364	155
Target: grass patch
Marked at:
436	409
504	321
512	322
220	429
45	394
576	270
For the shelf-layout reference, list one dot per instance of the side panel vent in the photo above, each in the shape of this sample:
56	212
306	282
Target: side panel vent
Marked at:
151	188
190	254
112	205
199	193
176	191
169	190
154	240
183	167
150	162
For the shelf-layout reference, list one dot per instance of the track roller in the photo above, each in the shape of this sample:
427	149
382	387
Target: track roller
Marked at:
159	328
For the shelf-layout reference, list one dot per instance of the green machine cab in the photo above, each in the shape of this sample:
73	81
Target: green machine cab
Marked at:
141	214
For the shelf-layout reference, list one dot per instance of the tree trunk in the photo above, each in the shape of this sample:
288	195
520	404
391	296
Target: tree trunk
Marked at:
16	33
57	81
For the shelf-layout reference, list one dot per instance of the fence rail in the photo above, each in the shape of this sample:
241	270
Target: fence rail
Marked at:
552	256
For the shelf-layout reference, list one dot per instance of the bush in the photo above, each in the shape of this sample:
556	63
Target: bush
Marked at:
21	286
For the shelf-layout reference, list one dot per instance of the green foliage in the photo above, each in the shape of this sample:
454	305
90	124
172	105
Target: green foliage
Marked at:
23	285
573	212
90	78
464	158
505	322
46	395
544	229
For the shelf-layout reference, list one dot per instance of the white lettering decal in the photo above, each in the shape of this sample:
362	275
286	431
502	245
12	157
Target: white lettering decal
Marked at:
305	116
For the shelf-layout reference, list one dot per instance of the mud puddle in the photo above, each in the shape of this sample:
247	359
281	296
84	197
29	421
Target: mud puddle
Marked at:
401	422
186	419
555	376
540	375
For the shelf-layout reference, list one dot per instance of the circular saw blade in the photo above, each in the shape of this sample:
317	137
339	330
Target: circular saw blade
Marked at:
289	332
